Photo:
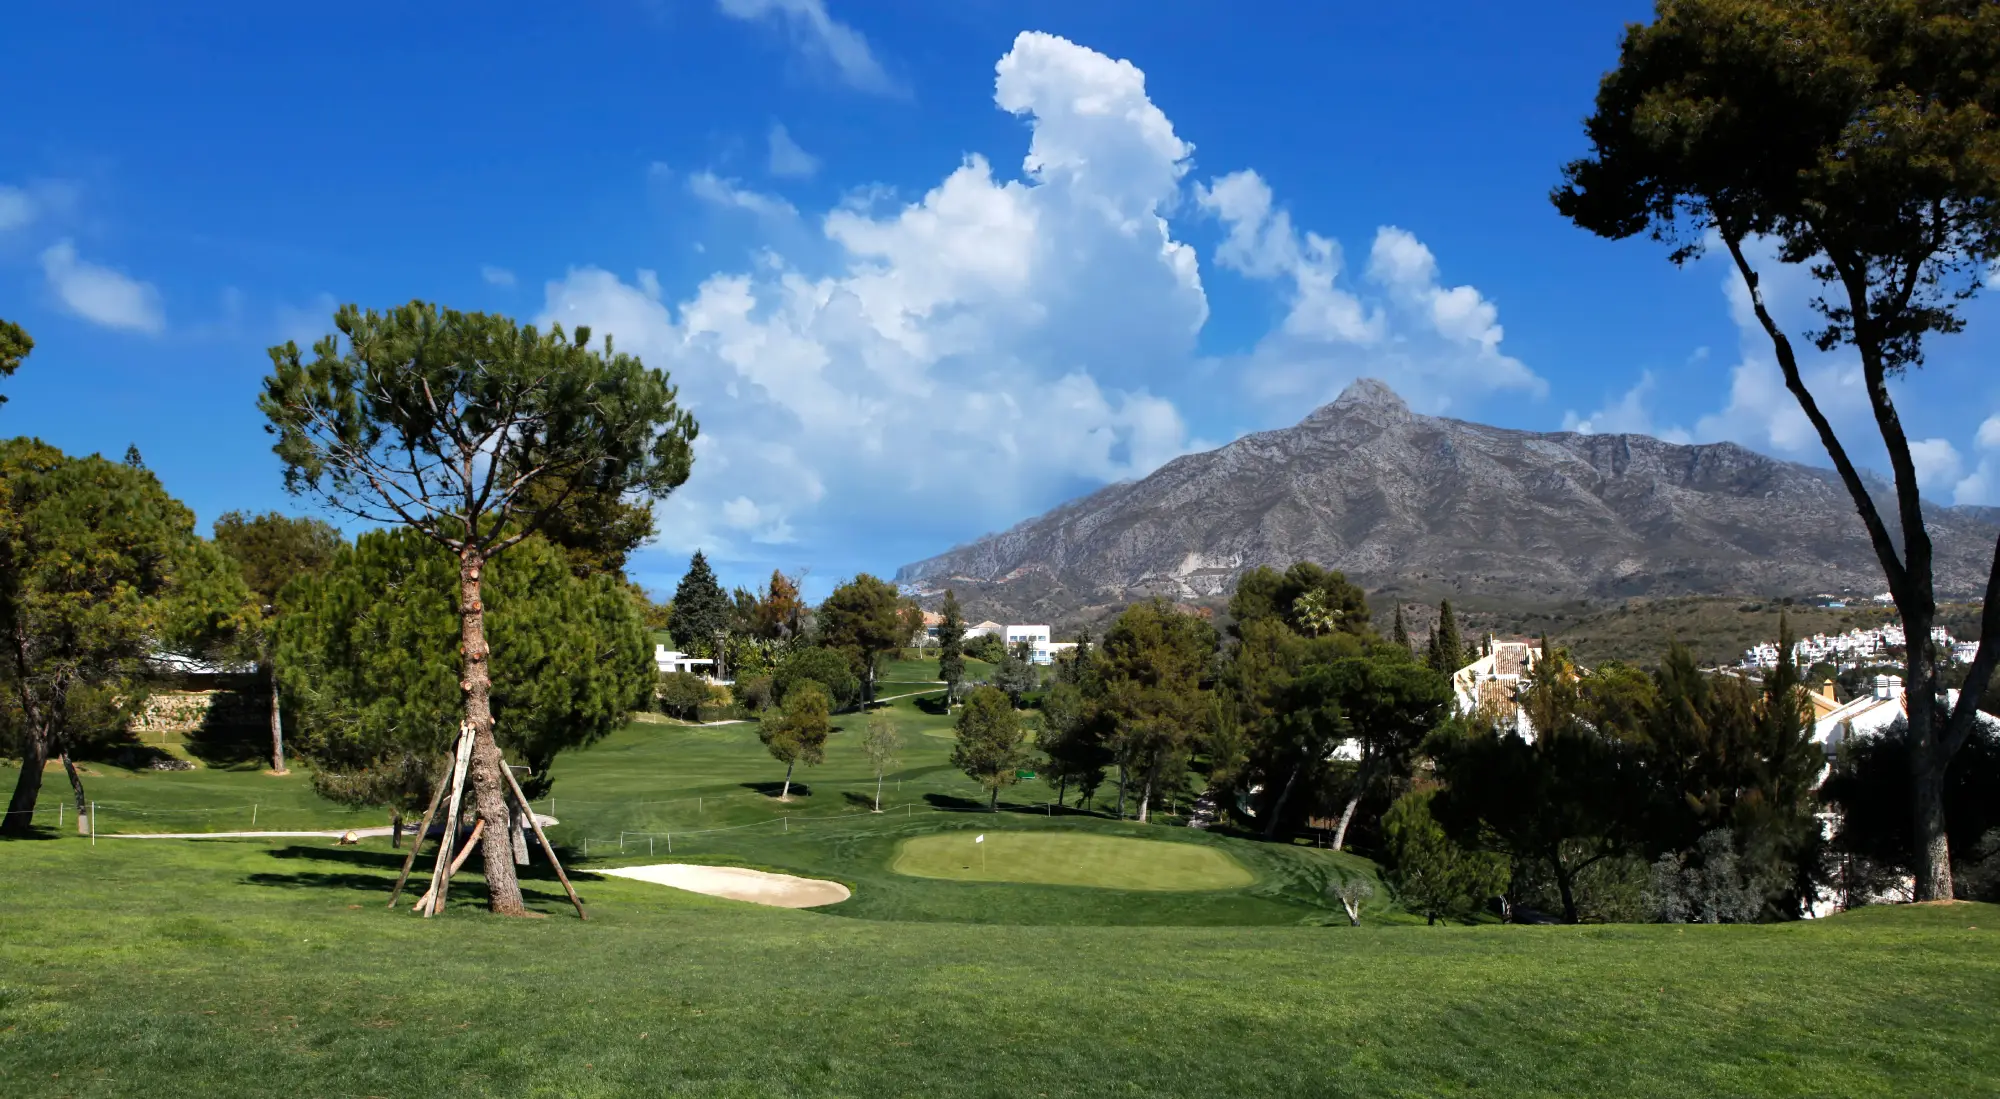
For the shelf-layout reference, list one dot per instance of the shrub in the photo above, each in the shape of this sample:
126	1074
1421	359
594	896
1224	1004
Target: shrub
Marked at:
682	694
827	667
756	693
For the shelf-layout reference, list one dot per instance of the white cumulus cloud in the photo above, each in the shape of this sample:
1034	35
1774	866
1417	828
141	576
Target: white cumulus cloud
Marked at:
967	357
820	35
102	295
1438	345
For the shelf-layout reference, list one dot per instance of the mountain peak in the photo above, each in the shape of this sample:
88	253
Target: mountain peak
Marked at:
1369	397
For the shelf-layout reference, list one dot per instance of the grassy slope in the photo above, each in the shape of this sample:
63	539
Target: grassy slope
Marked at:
239	968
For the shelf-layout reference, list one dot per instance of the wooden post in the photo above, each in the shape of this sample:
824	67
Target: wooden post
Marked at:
432	901
471	841
423	833
547	847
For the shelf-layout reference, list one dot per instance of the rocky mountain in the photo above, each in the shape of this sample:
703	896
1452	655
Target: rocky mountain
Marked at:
1410	502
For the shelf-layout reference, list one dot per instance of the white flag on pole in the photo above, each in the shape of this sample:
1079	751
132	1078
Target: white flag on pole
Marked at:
981	839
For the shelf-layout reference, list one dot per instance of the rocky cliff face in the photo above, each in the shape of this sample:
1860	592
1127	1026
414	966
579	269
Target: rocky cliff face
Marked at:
1391	497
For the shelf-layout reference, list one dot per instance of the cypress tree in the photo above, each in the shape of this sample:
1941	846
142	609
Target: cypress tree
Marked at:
1450	647
951	646
1401	635
701	610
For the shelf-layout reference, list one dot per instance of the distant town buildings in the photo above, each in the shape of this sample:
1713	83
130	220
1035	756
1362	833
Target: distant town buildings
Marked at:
1853	648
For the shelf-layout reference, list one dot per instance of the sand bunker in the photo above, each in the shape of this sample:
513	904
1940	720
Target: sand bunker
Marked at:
737	884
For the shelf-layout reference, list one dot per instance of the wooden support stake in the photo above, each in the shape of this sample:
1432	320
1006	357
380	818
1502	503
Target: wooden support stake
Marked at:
423	833
471	841
547	847
432	902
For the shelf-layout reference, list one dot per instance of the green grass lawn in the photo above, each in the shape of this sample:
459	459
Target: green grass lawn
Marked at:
222	968
1070	858
240	967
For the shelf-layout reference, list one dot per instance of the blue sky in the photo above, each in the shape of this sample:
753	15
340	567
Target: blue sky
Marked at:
921	269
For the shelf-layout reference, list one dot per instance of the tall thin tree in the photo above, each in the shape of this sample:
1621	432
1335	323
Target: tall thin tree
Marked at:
1861	138
443	422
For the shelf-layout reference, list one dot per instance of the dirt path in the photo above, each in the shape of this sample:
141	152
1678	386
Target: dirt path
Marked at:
334	833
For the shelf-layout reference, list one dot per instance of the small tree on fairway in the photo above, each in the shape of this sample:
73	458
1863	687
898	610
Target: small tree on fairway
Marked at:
797	732
951	647
701	610
1861	138
1433	875
992	746
272	550
443	422
1352	891
863	619
881	745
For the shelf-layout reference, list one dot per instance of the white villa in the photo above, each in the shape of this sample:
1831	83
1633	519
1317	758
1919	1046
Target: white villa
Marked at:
1043	650
674	660
1035	637
1885	708
1493	681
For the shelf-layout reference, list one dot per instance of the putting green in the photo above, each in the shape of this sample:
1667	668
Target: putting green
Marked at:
1070	858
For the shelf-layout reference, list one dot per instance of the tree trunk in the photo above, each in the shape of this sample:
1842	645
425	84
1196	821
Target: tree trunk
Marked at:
34	749
1931	853
1121	790
1278	809
1364	774
1932	861
277	725
1062	790
786	794
1566	886
1146	793
878	791
489	792
396	828
27	788
76	785
1346	816
993	805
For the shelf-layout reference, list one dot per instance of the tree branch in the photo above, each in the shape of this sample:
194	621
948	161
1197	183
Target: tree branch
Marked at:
1878	534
